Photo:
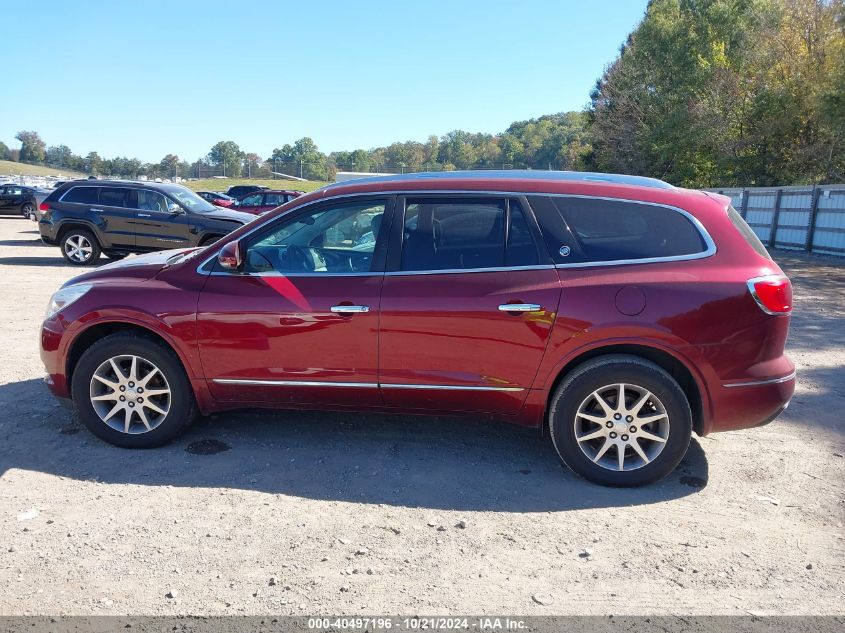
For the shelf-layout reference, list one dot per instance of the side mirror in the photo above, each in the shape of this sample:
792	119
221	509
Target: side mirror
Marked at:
230	256
174	208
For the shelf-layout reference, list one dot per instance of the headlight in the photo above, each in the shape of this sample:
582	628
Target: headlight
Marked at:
64	297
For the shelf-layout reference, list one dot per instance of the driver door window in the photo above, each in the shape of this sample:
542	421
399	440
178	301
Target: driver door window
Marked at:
333	240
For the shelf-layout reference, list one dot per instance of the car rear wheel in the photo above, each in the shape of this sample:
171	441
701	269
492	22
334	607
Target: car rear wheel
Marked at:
131	391
80	247
620	421
27	209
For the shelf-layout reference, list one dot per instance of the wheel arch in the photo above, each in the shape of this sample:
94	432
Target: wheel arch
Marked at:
83	340
69	225
685	376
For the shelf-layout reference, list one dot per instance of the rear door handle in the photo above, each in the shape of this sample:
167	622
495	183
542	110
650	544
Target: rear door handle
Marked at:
97	210
520	307
350	309
144	215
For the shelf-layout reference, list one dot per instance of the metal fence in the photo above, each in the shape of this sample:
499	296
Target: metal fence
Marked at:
804	218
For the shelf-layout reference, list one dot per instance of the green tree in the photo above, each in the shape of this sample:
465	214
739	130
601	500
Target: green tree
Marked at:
33	149
93	163
168	167
228	156
4	151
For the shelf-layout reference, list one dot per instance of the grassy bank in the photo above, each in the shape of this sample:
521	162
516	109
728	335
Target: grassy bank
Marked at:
8	167
222	184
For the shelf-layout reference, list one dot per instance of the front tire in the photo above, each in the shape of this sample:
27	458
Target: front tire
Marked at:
620	421
27	209
132	391
80	247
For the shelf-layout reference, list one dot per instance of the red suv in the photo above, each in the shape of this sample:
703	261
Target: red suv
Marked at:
259	202
616	314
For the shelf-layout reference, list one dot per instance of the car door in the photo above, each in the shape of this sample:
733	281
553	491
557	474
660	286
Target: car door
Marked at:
299	323
113	213
161	222
5	200
271	201
251	203
467	304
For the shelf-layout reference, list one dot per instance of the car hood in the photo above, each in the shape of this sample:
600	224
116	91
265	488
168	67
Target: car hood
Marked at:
134	268
220	213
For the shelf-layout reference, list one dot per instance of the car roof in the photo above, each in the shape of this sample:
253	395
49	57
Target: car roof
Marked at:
525	182
512	174
160	186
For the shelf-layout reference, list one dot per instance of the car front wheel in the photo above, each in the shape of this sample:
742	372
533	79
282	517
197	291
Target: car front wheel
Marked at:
80	247
132	391
620	421
27	209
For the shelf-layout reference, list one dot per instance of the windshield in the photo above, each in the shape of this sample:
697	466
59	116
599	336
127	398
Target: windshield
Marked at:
190	200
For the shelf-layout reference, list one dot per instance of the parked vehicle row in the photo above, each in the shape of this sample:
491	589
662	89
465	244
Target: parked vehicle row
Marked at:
256	202
615	314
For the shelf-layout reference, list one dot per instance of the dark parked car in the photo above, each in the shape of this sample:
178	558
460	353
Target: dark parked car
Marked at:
17	200
262	201
118	217
216	198
236	191
615	314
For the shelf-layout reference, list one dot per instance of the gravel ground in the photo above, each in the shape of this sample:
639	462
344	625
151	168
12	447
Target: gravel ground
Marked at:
317	513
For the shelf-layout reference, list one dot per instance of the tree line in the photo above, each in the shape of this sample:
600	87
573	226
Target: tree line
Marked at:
703	93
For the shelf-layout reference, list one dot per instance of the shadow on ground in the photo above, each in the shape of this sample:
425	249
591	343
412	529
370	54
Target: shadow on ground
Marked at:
34	261
442	463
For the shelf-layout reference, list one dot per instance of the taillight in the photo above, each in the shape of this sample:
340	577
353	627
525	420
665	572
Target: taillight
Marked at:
44	208
773	293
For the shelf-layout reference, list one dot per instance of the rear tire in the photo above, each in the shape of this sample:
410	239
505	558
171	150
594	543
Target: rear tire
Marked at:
27	209
80	247
149	378
651	429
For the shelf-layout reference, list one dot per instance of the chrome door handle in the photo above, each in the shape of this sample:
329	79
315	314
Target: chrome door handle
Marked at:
520	307
96	210
144	215
350	309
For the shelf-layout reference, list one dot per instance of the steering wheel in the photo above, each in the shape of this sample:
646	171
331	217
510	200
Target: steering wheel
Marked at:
297	260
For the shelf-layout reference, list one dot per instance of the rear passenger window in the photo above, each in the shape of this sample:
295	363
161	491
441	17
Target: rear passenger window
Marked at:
464	234
115	197
81	195
609	230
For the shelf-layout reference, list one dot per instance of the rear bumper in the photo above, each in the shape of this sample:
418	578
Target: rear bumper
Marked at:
48	231
748	404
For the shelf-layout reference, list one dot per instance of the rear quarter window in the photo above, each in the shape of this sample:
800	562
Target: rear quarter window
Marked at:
82	195
615	230
747	232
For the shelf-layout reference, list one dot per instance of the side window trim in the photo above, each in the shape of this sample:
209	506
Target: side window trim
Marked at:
62	197
209	266
394	254
710	245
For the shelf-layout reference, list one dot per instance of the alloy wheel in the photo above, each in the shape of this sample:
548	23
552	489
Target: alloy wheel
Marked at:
78	248
621	427
130	394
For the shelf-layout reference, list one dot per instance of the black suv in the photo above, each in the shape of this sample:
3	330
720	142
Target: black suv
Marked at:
237	191
117	217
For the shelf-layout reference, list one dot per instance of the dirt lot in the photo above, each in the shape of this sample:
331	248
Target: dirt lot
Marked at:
335	513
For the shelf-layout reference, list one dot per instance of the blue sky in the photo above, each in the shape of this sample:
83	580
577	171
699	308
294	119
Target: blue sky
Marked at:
149	78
